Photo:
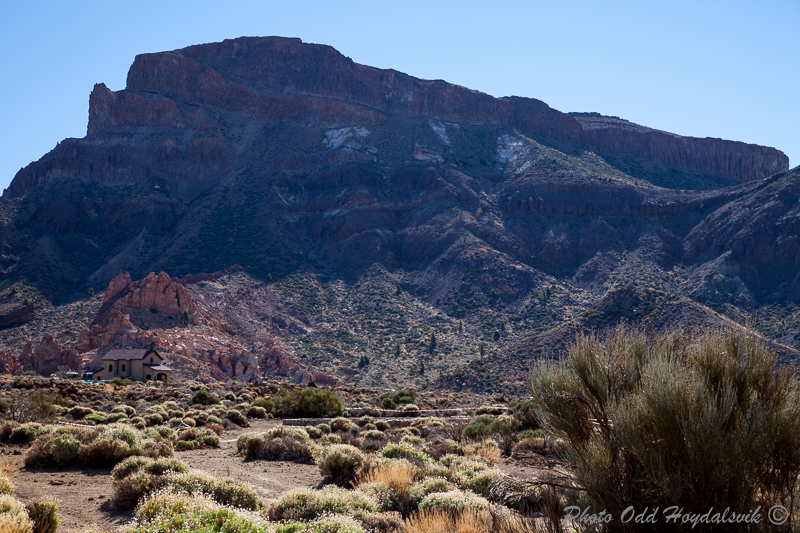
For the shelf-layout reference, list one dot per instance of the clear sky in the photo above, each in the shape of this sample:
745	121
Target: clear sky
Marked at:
727	69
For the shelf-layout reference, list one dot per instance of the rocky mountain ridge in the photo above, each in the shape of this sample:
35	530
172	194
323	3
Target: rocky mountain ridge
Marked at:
491	224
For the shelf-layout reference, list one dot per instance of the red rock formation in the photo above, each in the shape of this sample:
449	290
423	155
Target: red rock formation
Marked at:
155	292
9	364
48	357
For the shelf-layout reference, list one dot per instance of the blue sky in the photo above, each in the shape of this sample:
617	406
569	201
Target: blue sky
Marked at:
702	68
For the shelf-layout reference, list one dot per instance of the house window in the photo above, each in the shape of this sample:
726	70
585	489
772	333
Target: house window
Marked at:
123	367
110	368
151	359
147	377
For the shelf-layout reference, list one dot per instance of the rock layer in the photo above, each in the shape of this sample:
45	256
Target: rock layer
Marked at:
279	79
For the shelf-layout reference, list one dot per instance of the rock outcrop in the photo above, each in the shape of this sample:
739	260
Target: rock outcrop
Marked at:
156	293
9	364
14	314
48	358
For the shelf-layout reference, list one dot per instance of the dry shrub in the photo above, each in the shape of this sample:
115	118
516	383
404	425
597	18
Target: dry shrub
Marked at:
514	523
435	521
397	475
515	493
710	422
14	516
43	515
216	428
439	447
454	429
488	449
387	522
6	473
340	463
282	449
306	504
529	446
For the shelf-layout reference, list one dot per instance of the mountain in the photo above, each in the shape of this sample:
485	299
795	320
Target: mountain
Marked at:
379	212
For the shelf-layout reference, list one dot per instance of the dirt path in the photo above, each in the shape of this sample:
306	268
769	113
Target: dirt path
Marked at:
83	494
269	478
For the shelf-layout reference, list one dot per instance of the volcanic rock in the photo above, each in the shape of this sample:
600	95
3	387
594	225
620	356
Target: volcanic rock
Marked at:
48	357
13	314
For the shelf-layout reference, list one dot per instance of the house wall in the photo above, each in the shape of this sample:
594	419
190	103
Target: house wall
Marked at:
135	369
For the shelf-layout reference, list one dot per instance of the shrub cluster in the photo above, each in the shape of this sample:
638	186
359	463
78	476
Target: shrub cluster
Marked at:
309	403
104	446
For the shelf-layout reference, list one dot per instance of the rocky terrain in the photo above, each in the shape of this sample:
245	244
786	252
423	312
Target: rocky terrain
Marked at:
386	229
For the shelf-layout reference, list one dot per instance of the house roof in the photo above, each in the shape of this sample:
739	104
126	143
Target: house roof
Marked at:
128	355
161	368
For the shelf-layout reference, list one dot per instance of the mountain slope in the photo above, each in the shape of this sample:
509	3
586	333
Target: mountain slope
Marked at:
386	209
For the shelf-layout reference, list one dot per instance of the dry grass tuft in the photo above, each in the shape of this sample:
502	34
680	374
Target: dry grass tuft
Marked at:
488	449
467	521
396	475
514	523
7	469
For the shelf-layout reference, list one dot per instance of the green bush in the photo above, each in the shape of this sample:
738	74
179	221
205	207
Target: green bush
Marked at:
224	491
25	433
340	463
479	428
126	410
454	501
373	434
279	443
62	449
311	504
403	451
525	412
5	485
44	517
79	412
390	400
418	491
265	403
6	429
325	428
342	424
104	446
675	421
166	512
257	412
313	432
138	476
202	437
309	403
95	418
204	397
331	439
237	418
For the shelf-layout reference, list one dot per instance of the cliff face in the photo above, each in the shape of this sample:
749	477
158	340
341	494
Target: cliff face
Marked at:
713	157
278	79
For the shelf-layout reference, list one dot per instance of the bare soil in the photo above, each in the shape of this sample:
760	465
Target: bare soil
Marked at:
83	494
